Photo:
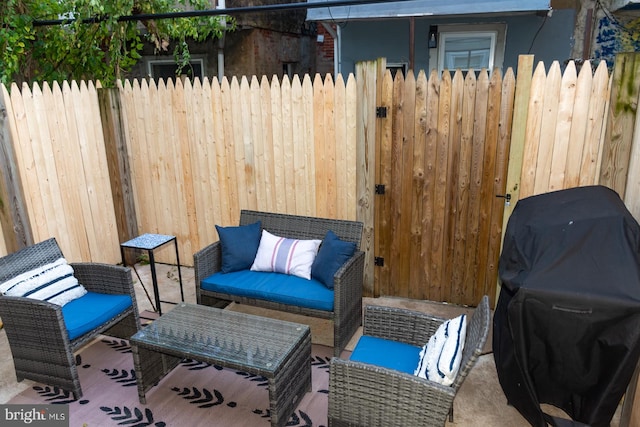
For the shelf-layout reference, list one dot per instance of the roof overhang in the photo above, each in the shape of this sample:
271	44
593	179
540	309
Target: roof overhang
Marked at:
406	8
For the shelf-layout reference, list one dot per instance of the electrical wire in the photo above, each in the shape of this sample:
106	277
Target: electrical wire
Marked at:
213	12
344	23
544	21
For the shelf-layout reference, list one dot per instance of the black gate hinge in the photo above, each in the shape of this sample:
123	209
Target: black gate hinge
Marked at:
378	261
380	188
381	112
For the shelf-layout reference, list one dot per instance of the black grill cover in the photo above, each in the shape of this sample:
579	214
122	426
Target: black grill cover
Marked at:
567	323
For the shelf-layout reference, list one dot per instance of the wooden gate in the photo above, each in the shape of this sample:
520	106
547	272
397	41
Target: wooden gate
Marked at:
442	146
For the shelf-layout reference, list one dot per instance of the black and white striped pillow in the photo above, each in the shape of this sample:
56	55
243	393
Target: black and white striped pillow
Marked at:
440	358
52	282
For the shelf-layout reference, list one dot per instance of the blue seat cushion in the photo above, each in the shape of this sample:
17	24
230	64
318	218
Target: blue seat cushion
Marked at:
92	310
271	286
387	354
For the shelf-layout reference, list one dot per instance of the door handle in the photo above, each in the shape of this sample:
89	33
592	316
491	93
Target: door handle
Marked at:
506	197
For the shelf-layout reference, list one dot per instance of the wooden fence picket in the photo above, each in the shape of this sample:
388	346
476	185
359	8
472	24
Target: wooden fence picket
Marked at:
182	150
277	139
20	101
406	151
621	118
201	177
500	206
15	231
320	149
456	195
580	112
383	173
491	208
337	104
440	206
468	260
462	197
67	140
594	138
431	145
419	128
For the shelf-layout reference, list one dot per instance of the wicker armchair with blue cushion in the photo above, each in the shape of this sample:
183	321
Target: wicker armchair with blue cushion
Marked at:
50	309
401	372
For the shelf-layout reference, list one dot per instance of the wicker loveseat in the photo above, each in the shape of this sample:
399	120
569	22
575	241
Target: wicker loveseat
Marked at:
367	394
43	335
344	306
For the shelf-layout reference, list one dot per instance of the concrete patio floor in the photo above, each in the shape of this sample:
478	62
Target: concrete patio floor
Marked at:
480	401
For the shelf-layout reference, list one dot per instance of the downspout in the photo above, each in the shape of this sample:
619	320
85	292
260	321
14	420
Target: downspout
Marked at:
588	35
337	54
338	51
412	43
221	5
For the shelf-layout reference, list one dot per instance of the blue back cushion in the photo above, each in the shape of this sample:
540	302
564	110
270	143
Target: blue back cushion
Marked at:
239	246
276	287
333	253
91	311
386	353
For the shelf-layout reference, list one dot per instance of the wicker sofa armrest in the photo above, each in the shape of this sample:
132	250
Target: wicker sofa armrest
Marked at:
206	262
407	326
105	278
361	395
347	288
351	270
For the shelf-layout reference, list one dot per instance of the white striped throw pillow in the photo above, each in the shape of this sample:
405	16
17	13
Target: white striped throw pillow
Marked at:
440	358
287	256
52	282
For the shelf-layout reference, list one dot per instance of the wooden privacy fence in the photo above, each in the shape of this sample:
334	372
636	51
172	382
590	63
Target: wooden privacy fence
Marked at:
95	166
181	158
564	128
443	154
55	180
199	153
443	159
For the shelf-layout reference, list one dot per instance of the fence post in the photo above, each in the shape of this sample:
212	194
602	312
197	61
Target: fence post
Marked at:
618	142
14	218
518	134
118	161
366	80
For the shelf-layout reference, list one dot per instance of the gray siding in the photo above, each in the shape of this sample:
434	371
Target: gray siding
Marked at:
367	40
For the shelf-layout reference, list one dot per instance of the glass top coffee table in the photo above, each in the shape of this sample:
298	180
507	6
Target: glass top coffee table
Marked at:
278	350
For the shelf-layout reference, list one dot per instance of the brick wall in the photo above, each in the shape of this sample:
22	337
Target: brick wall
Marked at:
261	45
325	52
262	52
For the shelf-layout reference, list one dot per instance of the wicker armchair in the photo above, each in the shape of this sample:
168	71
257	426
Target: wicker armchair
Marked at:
40	344
362	394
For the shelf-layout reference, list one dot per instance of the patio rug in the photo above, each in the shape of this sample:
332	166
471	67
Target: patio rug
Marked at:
193	394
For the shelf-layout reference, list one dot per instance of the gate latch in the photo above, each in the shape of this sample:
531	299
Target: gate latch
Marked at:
506	197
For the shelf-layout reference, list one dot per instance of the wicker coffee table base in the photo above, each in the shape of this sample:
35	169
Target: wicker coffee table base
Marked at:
288	382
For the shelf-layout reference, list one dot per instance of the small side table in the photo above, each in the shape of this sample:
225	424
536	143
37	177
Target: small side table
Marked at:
150	242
